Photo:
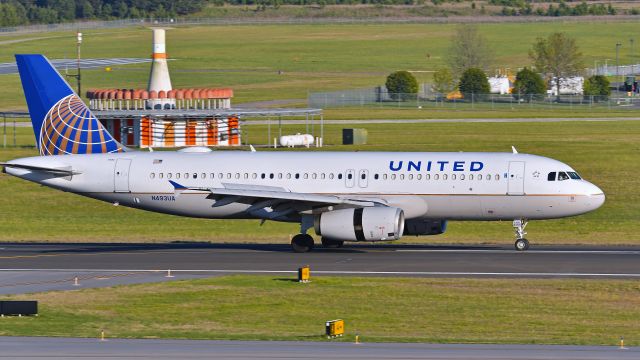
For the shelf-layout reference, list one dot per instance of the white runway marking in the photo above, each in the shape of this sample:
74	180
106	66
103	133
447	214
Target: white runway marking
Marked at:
347	272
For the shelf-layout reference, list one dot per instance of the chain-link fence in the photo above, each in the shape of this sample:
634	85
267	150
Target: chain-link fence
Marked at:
379	97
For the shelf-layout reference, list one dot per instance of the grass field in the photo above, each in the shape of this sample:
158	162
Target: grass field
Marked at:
311	57
606	153
378	309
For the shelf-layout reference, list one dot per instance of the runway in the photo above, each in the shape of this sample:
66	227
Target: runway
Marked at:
42	267
71	64
65	348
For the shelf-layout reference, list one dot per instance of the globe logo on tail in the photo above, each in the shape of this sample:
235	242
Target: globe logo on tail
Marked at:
70	128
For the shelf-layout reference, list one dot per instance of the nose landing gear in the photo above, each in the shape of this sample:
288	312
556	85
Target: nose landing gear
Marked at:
521	244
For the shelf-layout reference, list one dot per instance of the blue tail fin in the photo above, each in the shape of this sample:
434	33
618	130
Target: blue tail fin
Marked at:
62	123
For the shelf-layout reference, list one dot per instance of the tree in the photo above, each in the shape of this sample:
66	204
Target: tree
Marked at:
529	83
468	50
401	85
443	81
557	56
597	85
474	81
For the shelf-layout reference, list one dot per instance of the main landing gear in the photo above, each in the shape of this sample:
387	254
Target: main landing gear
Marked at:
521	244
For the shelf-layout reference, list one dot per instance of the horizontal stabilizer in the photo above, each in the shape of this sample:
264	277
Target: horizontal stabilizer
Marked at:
54	171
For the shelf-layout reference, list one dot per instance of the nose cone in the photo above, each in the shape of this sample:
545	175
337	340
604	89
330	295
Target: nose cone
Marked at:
595	197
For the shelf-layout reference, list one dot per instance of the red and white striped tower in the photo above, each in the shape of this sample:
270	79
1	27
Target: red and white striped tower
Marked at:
159	79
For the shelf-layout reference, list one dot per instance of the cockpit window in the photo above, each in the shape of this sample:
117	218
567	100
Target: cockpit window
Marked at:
562	176
551	176
574	175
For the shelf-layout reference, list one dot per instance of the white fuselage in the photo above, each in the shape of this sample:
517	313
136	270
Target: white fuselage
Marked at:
445	186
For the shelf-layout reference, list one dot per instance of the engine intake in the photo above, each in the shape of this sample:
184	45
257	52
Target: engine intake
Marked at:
361	224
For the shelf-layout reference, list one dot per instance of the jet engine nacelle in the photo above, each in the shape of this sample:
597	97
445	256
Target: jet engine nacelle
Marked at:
362	224
424	227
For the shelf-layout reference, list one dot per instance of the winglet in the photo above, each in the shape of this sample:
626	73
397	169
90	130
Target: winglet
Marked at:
513	149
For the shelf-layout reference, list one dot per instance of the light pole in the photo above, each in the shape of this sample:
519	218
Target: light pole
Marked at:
77	75
631	41
618	45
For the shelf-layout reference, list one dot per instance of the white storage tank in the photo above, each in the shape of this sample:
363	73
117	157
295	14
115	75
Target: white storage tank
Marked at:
296	140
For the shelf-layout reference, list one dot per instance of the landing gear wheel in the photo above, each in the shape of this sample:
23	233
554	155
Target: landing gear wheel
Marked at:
522	244
332	244
302	243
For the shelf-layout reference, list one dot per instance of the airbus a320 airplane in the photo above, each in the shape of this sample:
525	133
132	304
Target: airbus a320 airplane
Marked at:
344	196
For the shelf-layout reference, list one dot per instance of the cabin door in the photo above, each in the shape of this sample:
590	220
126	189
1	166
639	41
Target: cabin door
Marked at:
121	175
516	178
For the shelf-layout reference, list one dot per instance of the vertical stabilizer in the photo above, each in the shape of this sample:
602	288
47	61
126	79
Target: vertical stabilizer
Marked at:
62	123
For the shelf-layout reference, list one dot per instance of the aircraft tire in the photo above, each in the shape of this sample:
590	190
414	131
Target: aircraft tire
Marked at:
332	244
522	244
302	243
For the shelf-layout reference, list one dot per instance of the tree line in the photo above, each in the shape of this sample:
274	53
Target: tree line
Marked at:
23	12
554	59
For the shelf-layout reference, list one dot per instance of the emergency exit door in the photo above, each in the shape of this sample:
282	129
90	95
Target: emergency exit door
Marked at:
121	175
516	178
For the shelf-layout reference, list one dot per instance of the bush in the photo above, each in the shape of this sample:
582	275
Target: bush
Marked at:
474	81
528	83
401	85
597	85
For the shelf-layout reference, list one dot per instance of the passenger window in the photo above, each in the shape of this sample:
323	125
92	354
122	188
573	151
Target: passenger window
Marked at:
195	176
479	176
288	175
453	176
401	176
427	177
331	176
497	177
436	177
562	176
152	175
444	176
246	175
160	175
419	177
461	176
263	175
393	176
314	176
297	176
305	176
349	176
384	176
228	175
339	176
410	176
279	175
375	176
488	176
178	176
169	176
322	176
271	176
212	175
204	176
237	175
220	175
254	176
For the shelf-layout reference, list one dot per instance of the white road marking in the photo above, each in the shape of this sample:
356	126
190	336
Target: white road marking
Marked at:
605	252
344	272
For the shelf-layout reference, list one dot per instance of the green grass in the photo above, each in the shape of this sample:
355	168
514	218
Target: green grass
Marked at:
312	57
605	153
532	311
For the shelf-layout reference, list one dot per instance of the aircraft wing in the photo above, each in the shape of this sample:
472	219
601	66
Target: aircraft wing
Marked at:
281	201
54	171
